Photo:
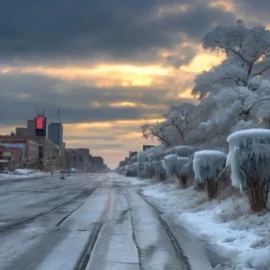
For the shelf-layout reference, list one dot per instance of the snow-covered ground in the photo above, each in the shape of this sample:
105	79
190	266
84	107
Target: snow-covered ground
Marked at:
21	174
231	230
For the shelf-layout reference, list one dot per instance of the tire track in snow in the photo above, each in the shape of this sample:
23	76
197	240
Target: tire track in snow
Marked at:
85	258
134	235
25	221
177	248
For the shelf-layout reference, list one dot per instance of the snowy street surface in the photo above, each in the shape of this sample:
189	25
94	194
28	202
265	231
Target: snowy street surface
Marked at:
110	222
87	221
232	236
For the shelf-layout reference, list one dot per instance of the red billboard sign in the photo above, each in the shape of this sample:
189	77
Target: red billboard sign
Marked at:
40	122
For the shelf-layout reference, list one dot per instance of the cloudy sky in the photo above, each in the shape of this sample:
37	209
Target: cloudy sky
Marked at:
108	65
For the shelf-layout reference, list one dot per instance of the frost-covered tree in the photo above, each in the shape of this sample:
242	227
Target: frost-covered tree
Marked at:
235	94
158	131
236	108
247	56
180	121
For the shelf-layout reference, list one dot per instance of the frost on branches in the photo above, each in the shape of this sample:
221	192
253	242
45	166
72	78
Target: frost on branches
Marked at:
235	94
249	159
248	56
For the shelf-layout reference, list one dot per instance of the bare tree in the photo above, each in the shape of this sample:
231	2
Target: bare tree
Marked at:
155	130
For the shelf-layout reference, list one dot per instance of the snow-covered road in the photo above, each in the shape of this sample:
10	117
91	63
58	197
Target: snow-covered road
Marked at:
83	222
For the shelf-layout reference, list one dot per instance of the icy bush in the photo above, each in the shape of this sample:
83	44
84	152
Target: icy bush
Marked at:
249	160
181	162
152	157
142	157
121	170
132	170
133	159
183	151
180	170
180	150
158	170
146	170
207	165
169	164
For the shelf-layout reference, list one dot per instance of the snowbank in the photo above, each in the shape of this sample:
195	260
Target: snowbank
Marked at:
21	174
231	230
22	171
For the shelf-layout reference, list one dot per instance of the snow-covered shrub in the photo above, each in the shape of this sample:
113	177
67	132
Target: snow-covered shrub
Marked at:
132	170
142	157
121	170
183	150
152	157
249	160
181	171
169	164
133	159
207	165
157	170
146	172
152	167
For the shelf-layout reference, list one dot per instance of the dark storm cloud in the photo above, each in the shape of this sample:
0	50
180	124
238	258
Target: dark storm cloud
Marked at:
22	95
99	29
258	8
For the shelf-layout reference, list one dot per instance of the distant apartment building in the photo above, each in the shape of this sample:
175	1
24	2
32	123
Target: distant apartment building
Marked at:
98	164
55	133
21	132
31	128
97	161
20	151
71	158
83	159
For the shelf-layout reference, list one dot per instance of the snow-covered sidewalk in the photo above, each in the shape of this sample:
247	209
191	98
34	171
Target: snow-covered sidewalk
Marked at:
231	230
